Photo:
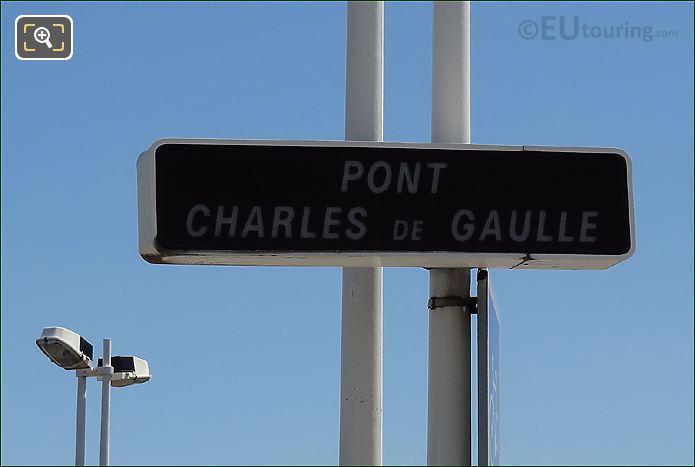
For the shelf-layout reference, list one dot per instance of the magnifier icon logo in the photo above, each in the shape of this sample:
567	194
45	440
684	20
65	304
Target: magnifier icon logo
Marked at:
43	36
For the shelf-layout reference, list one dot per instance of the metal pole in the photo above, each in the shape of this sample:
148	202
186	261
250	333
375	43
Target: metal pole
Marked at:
81	419
105	406
449	371
483	346
451	71
361	401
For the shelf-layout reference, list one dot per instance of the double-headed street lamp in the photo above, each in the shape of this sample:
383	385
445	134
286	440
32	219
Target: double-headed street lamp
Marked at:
70	351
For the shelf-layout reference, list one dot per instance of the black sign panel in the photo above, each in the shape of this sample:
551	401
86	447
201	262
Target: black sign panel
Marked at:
215	199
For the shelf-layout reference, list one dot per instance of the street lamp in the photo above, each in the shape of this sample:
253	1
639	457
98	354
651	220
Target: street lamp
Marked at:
70	351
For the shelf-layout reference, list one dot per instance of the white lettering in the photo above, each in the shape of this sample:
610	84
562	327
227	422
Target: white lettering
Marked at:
361	228
540	236
492	226
468	228
371	175
588	224
400	230
350	174
230	221
329	221
436	167
525	232
412	180
417	230
305	233
199	208
562	236
254	223
283	220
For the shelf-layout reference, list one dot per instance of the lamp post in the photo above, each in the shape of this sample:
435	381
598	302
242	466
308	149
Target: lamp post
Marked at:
70	351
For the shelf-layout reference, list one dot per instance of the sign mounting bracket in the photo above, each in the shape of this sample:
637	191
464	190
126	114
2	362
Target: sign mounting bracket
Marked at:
470	303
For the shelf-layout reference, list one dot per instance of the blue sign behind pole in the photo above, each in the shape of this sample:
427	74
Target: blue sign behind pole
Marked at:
493	378
488	373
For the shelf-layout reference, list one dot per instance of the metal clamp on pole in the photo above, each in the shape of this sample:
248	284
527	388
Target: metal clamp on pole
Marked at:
469	303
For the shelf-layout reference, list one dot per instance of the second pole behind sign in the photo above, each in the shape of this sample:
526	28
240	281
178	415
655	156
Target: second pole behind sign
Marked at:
361	375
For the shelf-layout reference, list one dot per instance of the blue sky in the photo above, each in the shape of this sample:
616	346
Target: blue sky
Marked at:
596	366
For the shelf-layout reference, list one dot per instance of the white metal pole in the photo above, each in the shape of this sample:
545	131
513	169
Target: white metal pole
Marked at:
361	400
451	71
449	371
105	406
81	419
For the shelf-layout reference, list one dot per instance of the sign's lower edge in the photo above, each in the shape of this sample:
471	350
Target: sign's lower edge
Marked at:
424	260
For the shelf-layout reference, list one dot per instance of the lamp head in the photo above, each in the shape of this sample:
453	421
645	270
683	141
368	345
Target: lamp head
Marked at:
128	370
65	348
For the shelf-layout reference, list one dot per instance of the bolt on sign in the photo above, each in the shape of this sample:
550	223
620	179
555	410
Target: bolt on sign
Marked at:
329	203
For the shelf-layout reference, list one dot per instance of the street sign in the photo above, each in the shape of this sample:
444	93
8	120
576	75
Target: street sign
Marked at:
384	204
488	373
